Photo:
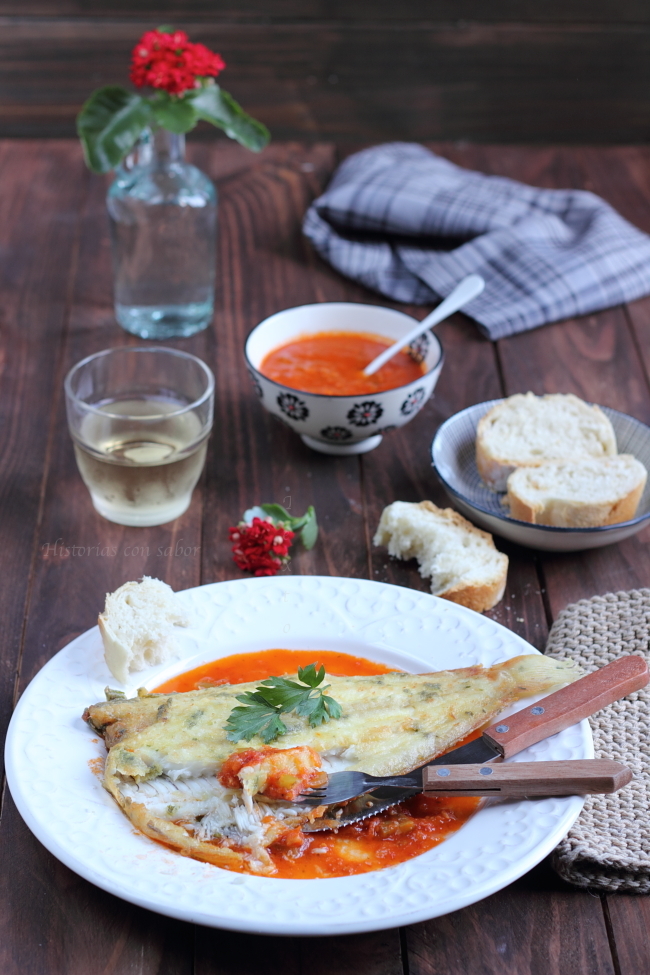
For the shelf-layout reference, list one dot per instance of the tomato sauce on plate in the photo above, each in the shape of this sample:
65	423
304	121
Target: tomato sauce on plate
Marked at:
333	362
389	838
242	667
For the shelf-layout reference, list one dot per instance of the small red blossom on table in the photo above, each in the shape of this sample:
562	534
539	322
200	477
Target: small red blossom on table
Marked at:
262	539
261	547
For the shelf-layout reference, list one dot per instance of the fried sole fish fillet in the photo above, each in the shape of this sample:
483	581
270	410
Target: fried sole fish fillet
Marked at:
166	750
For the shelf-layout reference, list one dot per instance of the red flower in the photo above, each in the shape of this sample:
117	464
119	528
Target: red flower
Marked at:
261	547
172	62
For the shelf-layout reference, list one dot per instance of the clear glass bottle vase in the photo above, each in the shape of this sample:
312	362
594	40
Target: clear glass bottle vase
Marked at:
163	216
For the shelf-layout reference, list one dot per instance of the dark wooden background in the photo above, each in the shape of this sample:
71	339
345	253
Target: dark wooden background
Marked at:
345	71
573	71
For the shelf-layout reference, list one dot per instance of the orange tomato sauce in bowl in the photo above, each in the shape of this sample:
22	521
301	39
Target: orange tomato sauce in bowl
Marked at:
391	837
332	363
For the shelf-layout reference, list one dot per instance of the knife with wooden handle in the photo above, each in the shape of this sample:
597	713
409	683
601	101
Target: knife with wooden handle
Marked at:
518	780
553	713
567	706
510	735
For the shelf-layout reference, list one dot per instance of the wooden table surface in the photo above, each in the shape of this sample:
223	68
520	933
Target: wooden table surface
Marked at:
60	557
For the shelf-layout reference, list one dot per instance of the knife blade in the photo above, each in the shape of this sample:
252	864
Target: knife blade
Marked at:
508	736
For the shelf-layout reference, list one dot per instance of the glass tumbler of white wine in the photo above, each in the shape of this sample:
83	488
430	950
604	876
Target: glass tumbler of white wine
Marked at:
140	419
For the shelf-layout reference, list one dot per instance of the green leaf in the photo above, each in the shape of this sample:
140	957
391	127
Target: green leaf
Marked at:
109	125
306	524
309	675
278	513
309	533
333	707
216	106
175	114
252	697
308	706
257	717
320	709
279	695
283	693
288	696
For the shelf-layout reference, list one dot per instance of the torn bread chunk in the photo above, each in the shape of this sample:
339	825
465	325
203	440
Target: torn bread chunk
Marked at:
138	626
461	560
578	493
527	430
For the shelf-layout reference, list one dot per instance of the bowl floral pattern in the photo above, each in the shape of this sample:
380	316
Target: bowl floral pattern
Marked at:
342	424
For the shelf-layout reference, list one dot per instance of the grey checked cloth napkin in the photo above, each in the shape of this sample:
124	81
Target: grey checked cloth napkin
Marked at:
410	225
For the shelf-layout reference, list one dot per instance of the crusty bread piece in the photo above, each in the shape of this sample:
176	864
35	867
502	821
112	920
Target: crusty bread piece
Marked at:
528	430
578	493
137	626
461	560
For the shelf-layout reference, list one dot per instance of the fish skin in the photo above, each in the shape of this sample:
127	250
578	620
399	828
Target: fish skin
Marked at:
394	722
391	724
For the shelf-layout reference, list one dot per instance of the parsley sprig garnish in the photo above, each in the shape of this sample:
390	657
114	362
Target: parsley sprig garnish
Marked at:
260	714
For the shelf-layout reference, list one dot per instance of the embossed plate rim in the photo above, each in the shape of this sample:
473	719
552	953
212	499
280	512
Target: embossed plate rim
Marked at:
47	741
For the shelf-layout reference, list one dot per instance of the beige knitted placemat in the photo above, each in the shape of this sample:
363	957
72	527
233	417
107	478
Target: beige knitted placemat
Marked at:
609	845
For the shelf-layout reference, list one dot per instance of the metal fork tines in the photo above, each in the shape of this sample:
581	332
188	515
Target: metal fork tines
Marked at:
342	786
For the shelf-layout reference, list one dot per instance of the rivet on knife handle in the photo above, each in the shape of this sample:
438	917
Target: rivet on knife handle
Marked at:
568	705
517	780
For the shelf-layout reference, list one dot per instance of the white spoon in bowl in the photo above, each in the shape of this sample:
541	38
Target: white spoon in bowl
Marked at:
470	287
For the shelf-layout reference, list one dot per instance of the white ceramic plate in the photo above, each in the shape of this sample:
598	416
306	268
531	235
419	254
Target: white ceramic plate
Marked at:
453	454
49	749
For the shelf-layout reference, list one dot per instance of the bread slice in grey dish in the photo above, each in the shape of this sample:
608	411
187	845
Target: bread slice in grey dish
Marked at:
527	430
578	493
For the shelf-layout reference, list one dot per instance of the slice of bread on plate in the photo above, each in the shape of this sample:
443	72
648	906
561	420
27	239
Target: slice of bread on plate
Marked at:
527	430
578	493
461	560
138	626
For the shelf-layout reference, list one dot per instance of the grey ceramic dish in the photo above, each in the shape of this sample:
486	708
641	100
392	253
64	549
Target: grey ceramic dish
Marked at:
453	455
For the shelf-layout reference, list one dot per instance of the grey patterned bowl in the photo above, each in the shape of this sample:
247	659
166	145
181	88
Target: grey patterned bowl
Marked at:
341	424
453	455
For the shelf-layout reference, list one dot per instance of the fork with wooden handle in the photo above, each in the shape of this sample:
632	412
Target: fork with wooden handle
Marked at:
516	780
506	737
